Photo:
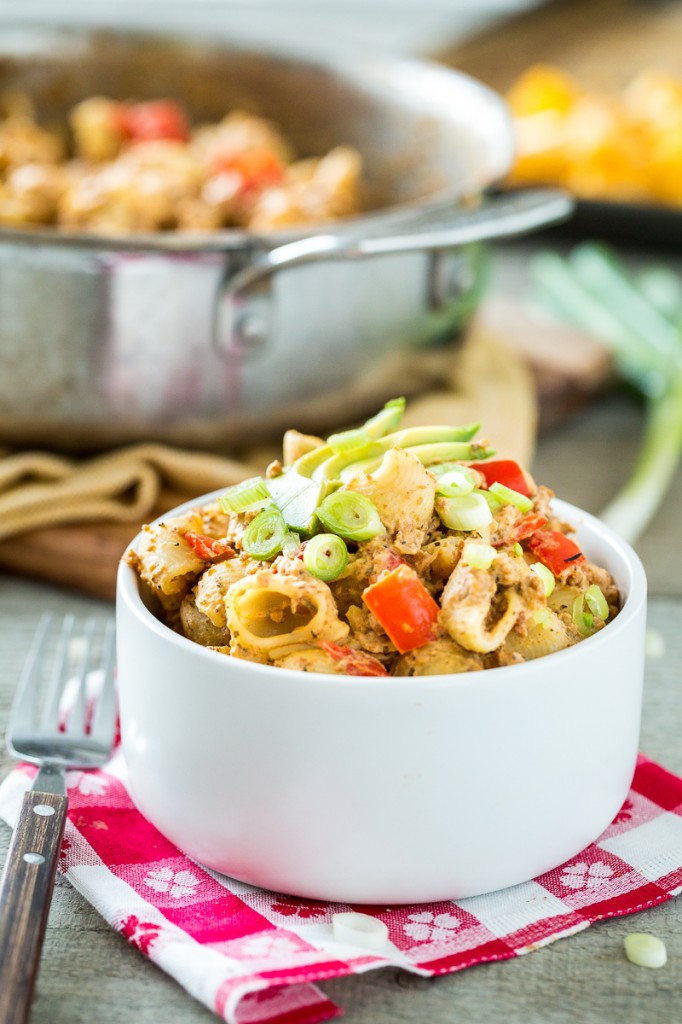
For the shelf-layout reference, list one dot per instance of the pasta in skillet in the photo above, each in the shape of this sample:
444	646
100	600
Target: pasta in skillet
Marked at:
379	551
132	167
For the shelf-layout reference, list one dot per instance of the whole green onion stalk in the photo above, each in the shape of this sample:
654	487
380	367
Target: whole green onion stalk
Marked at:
639	318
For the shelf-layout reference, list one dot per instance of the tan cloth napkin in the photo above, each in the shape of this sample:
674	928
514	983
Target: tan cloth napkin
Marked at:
481	381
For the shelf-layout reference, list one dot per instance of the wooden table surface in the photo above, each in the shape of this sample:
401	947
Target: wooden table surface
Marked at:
89	973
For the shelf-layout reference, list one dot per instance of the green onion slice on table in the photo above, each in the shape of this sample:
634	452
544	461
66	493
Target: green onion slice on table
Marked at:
325	556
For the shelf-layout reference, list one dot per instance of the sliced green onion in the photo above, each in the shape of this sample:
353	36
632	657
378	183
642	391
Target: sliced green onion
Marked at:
325	556
264	536
582	619
348	464
428	454
245	496
387	419
468	512
493	502
517	549
479	556
349	441
509	497
454	483
305	464
297	498
291	544
350	515
441	468
542	617
546	575
645	950
596	602
411	436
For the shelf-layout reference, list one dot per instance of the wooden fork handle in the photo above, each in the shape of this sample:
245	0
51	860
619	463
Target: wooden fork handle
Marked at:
25	895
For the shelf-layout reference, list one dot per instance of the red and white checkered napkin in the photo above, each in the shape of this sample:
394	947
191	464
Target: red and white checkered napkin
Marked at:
253	956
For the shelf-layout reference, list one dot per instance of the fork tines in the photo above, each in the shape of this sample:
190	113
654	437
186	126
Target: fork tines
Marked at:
68	681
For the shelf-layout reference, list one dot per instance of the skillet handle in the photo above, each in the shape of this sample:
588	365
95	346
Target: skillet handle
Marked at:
505	216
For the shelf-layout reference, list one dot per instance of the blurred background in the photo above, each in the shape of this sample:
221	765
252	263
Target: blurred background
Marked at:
566	354
404	26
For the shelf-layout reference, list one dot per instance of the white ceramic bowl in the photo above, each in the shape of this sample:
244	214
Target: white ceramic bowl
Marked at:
375	790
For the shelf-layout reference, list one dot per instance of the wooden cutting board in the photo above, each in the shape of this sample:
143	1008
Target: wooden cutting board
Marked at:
567	367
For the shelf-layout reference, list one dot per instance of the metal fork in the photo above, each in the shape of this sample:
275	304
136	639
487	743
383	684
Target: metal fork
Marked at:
37	734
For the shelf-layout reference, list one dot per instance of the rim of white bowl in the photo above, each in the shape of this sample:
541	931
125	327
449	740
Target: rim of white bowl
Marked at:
632	583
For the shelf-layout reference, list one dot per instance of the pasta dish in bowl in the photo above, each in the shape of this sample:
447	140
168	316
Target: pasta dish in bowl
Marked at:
390	635
378	551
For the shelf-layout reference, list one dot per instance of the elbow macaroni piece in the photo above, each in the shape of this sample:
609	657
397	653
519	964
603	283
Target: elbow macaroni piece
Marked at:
268	612
543	637
213	585
404	492
475	613
166	563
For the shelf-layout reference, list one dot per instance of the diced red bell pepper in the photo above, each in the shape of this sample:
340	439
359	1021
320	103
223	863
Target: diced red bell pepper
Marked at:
555	550
208	547
156	119
257	168
404	607
354	663
529	525
505	472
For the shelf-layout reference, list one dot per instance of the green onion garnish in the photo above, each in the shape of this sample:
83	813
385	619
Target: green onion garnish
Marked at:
441	468
428	454
350	515
411	436
264	536
305	464
542	617
291	544
582	619
246	496
297	498
509	497
468	512
325	556
348	464
455	483
349	441
645	950
596	602
479	556
386	420
544	574
493	502
517	549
